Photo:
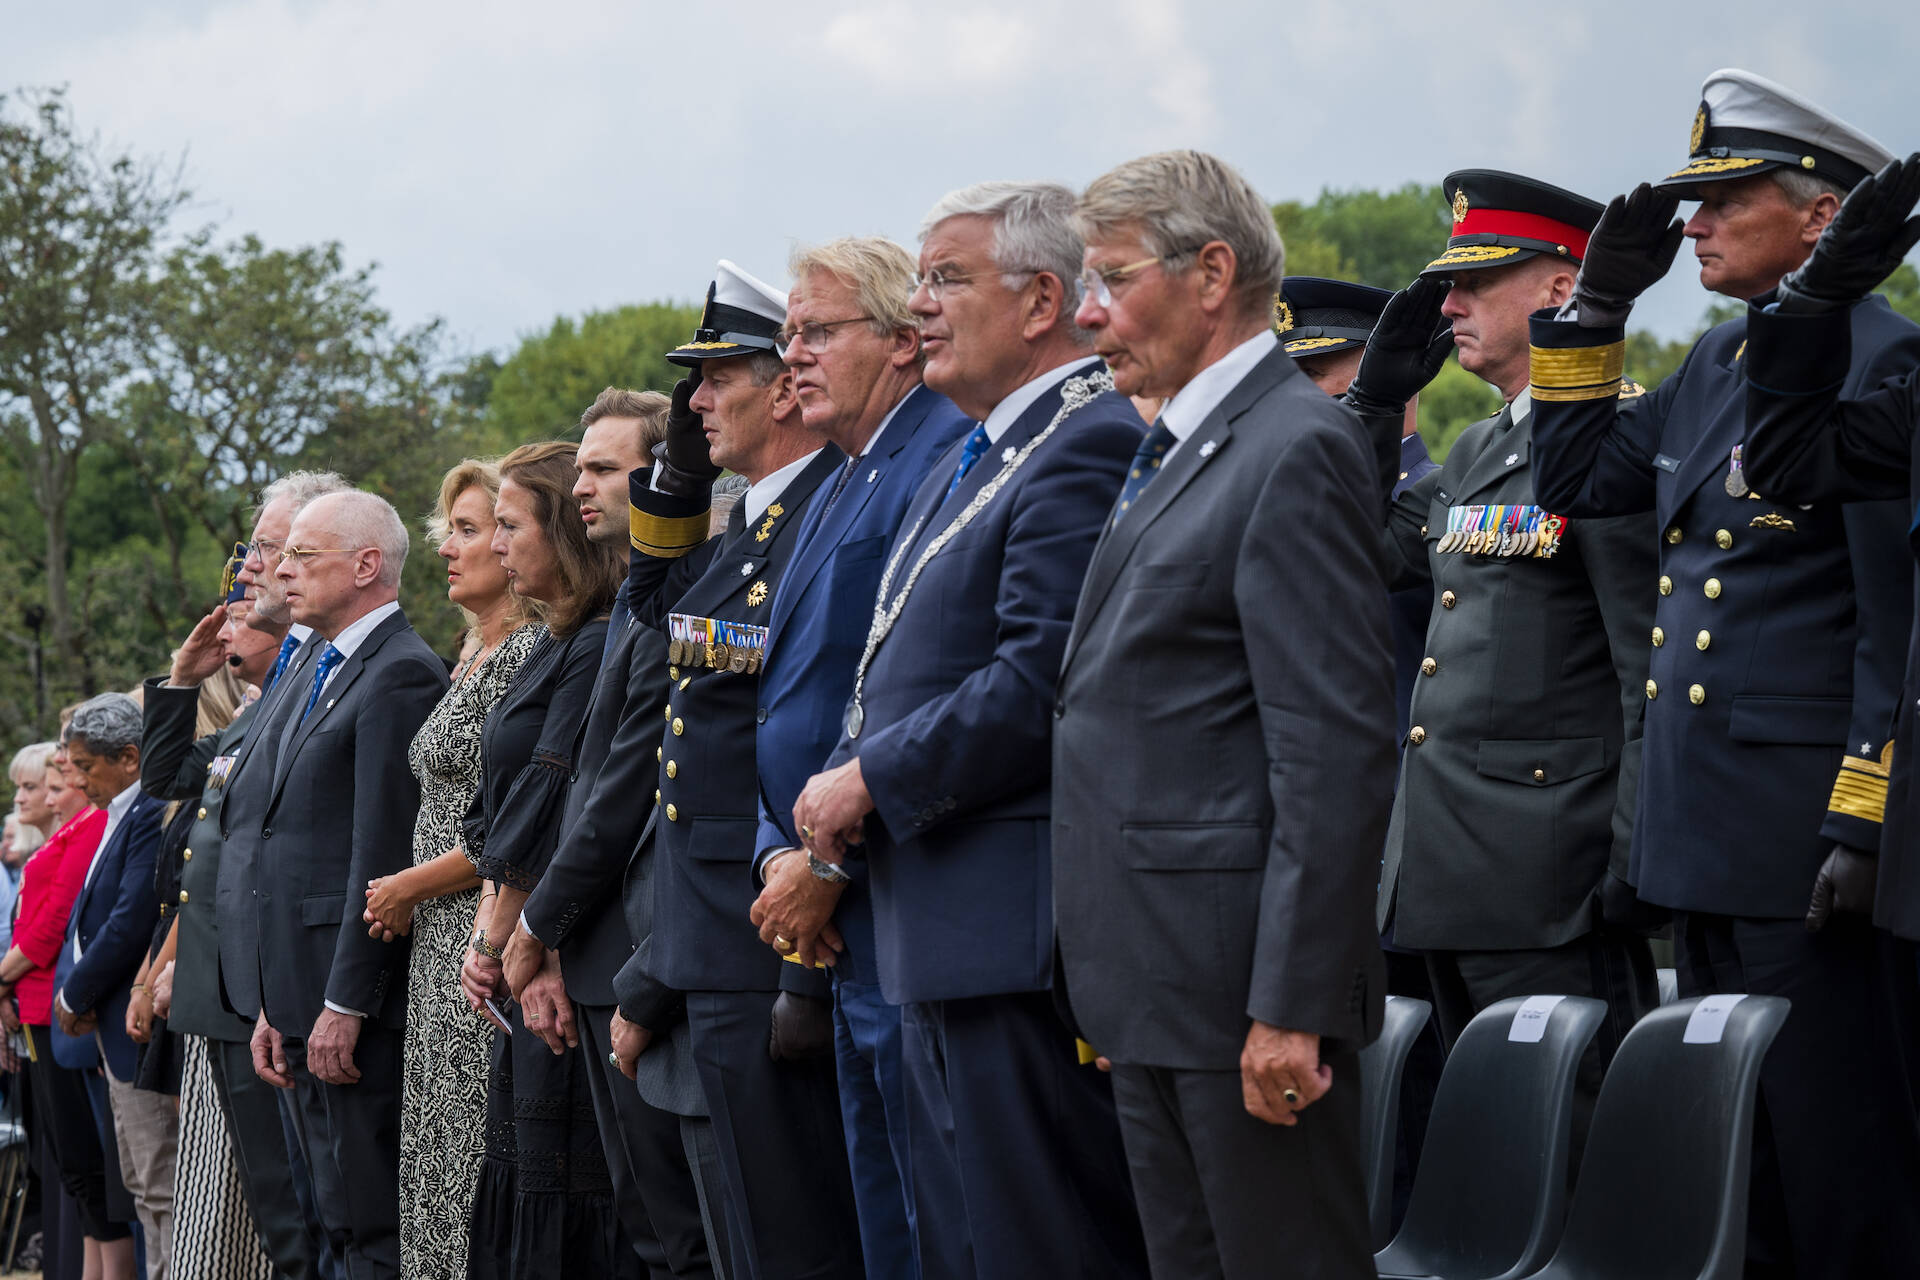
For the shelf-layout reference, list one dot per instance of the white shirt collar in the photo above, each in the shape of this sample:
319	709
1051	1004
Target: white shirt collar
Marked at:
300	632
1522	405
118	806
355	633
874	439
1183	413
1021	398
761	494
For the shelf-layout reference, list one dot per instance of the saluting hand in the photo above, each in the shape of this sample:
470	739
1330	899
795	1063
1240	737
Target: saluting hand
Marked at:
201	653
1630	249
1276	1061
1863	244
1404	353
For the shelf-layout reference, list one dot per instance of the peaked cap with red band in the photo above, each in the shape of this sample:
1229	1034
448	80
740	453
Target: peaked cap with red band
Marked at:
1501	218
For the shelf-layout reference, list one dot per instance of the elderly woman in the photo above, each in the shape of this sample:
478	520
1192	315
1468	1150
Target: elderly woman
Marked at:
50	883
444	1069
545	1205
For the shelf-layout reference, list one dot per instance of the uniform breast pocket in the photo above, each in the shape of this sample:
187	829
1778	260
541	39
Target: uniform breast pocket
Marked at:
1175	575
1541	762
723	839
1809	722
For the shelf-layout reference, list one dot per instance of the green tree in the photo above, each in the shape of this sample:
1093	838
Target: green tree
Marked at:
1903	291
1381	238
540	391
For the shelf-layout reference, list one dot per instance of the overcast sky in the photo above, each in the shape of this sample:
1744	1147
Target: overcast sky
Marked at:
506	162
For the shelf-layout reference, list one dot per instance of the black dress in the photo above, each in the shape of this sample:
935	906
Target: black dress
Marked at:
544	1206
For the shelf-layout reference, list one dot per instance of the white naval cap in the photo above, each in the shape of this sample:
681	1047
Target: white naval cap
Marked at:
1747	124
742	315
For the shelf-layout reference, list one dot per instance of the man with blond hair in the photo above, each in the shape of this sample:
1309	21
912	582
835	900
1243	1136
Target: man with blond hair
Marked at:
1223	746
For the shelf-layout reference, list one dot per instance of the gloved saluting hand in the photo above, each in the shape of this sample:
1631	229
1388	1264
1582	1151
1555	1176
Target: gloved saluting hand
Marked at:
1408	345
681	464
1632	246
1861	246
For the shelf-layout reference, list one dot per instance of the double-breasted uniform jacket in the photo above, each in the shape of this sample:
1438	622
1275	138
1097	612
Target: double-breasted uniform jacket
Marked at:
335	810
1780	633
1223	741
1517	779
819	624
955	744
702	867
174	765
1805	444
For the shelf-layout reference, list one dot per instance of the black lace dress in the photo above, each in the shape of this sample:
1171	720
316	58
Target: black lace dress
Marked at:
544	1206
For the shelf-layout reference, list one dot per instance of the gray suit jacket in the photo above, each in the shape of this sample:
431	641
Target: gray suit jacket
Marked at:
1223	742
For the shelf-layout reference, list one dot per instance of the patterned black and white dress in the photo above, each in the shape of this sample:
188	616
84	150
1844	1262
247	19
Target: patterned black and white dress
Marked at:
444	1074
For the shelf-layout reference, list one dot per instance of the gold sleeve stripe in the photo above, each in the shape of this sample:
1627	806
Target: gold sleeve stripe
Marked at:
1604	391
1577	366
669	538
1860	791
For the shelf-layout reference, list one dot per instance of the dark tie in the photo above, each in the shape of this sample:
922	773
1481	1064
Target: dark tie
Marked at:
737	519
846	474
329	659
288	648
1146	465
969	454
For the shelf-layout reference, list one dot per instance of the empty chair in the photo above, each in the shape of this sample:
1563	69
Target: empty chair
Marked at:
1669	985
1491	1188
1380	1066
1662	1193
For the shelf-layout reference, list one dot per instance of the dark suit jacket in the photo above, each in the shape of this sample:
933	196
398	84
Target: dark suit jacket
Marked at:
339	812
1806	444
176	766
1785	630
1223	741
957	741
1519	794
112	920
818	628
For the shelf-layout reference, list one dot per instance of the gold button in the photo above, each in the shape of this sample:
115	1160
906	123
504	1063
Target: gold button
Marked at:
656	795
685	681
1723	540
673	814
669	711
1666	585
1539	775
1428	666
1696	694
183	896
1448	599
1416	735
1659	637
186	855
203	811
1423	528
678	728
658	754
1712	588
673	769
1653	689
1702	640
1674	535
673	673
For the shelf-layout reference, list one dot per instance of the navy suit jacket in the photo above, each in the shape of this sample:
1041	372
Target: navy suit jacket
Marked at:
819	626
113	920
956	748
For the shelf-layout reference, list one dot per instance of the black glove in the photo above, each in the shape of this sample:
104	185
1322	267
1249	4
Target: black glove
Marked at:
802	1028
683	467
1845	883
1409	343
1622	908
1630	249
1861	246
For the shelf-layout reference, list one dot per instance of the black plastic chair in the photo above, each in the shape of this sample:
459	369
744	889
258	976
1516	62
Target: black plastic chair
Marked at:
1381	1064
1491	1188
1669	980
1662	1193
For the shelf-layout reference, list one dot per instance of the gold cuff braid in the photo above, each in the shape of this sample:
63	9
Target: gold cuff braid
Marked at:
667	537
1860	790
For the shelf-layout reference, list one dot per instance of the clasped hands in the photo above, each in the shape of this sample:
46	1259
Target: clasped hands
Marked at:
796	907
330	1049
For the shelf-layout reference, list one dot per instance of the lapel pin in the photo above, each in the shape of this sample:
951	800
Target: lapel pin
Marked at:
1006	454
746	570
1512	458
1206	450
873	475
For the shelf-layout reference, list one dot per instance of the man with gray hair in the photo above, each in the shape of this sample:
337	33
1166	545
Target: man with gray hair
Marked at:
108	933
330	806
1223	746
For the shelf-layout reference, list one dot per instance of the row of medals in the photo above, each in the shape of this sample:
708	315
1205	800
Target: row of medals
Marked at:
1540	539
738	658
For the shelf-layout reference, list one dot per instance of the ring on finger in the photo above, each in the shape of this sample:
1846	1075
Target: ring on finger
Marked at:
1292	1096
782	943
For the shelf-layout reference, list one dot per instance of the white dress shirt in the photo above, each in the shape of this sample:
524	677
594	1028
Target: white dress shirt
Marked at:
761	493
1183	413
1018	401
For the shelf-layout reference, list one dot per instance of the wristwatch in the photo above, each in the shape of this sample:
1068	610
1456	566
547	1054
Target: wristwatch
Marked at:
826	870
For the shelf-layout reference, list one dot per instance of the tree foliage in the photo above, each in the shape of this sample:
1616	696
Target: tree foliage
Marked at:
541	390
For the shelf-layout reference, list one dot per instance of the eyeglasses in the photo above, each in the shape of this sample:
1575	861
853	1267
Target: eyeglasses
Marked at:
937	282
300	555
813	335
268	549
1097	282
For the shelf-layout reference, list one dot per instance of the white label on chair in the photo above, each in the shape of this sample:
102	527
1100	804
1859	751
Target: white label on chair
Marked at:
1708	1022
1530	1019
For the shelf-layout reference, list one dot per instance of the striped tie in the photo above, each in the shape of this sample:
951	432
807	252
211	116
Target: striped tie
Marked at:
1146	465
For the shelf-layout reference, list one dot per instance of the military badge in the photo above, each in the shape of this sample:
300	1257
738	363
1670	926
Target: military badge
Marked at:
1282	315
1460	206
756	594
1699	134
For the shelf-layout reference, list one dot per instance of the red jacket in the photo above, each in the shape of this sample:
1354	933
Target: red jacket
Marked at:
49	883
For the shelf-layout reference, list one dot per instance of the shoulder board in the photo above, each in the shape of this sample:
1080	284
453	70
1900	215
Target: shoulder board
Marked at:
1631	390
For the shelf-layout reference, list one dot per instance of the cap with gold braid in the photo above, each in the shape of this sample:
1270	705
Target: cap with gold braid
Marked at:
1315	317
742	316
1747	124
1501	218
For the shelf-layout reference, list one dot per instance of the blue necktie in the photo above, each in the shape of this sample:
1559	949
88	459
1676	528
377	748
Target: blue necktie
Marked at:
329	659
1146	465
288	648
969	454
